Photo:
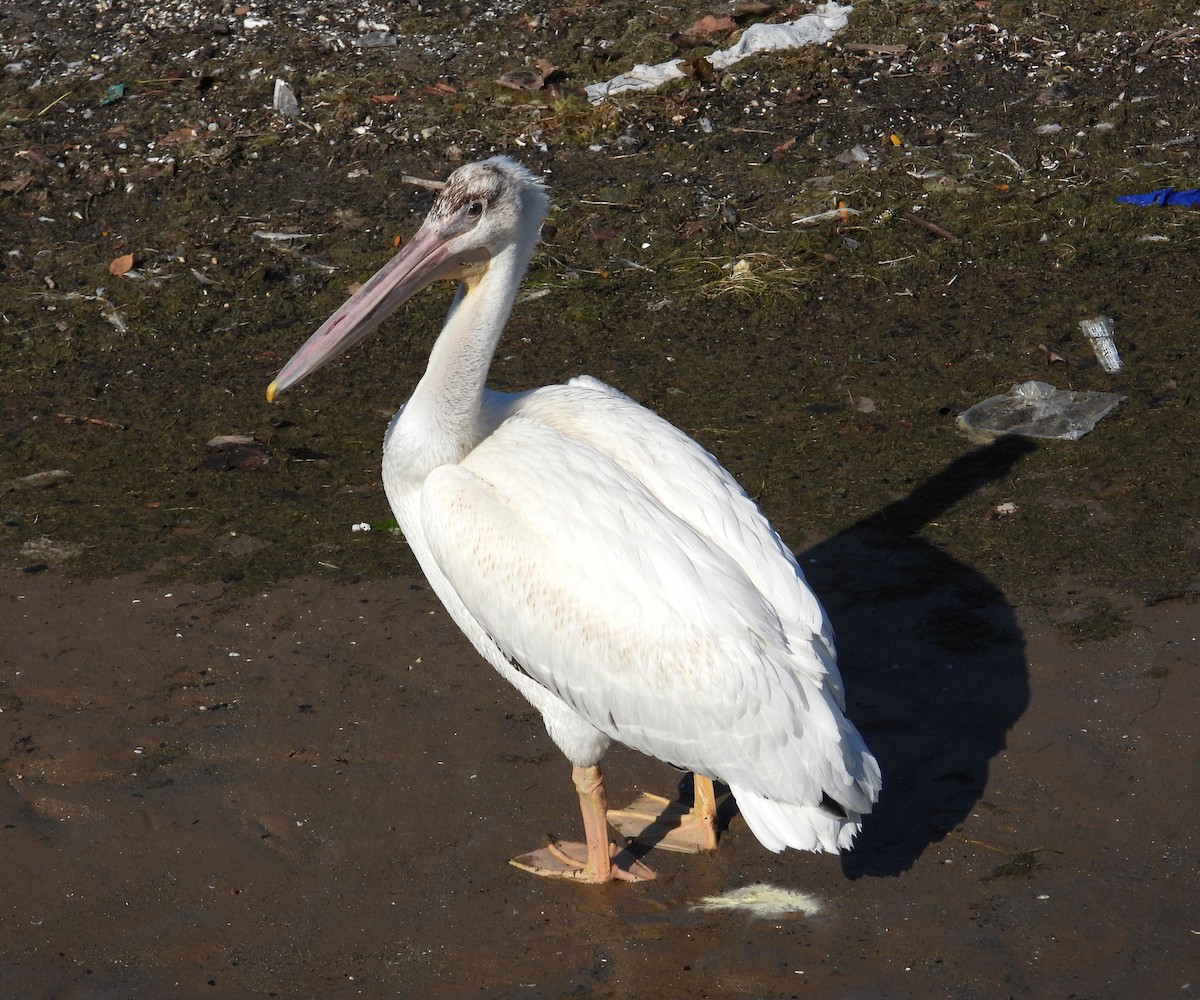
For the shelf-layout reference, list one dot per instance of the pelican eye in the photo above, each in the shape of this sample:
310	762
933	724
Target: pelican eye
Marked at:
475	209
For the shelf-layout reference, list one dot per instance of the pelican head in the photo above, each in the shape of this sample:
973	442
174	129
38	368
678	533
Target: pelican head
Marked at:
485	210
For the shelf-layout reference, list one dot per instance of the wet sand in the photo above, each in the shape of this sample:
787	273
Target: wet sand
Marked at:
313	792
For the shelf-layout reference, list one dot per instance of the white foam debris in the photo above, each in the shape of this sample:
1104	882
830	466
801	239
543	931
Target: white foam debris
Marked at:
763	900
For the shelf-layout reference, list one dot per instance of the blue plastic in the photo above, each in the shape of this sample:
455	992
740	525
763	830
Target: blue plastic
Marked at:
1163	196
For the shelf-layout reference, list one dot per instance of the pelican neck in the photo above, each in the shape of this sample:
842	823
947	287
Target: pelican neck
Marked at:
447	401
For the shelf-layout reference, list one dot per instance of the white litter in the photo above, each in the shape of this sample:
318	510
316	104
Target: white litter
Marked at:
284	99
1099	332
763	900
812	29
833	213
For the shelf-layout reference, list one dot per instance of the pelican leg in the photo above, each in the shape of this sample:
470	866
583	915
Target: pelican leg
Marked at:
673	826
596	861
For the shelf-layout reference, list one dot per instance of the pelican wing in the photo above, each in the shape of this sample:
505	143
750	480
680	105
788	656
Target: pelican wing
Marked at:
638	618
687	480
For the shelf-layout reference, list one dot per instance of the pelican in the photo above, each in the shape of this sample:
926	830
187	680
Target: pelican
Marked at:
604	563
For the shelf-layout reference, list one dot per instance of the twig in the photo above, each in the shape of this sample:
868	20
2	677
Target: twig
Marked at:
72	418
423	182
54	102
933	227
882	50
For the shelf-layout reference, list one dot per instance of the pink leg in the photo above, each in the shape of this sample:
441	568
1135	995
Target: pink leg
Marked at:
672	826
596	861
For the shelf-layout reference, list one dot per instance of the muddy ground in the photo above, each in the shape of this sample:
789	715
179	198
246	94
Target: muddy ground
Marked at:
245	754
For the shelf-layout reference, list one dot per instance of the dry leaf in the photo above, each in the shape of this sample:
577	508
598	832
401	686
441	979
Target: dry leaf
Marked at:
178	135
1053	357
17	184
693	226
38	157
699	33
234	456
120	265
698	68
595	228
751	8
782	148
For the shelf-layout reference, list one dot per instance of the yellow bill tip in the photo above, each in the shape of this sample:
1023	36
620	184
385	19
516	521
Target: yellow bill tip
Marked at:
272	390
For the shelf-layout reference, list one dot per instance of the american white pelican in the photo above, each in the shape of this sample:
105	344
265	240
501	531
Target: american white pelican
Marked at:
602	561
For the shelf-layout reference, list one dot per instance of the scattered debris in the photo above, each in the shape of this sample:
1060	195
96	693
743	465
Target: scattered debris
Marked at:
107	309
121	265
841	213
112	95
522	79
238	451
812	29
265	236
855	156
530	79
1057	93
875	50
1099	332
1038	409
376	40
754	274
284	100
47	551
36	480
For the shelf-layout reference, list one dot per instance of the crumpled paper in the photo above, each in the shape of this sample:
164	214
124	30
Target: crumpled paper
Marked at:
812	29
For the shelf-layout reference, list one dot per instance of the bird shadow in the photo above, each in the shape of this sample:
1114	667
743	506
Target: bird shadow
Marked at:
932	657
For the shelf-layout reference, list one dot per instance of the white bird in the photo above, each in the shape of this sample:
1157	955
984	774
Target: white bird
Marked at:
603	562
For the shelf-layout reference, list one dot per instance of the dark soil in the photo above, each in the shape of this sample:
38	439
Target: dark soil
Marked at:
328	812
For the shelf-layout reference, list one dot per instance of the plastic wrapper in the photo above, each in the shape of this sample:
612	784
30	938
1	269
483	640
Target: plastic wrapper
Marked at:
1038	410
